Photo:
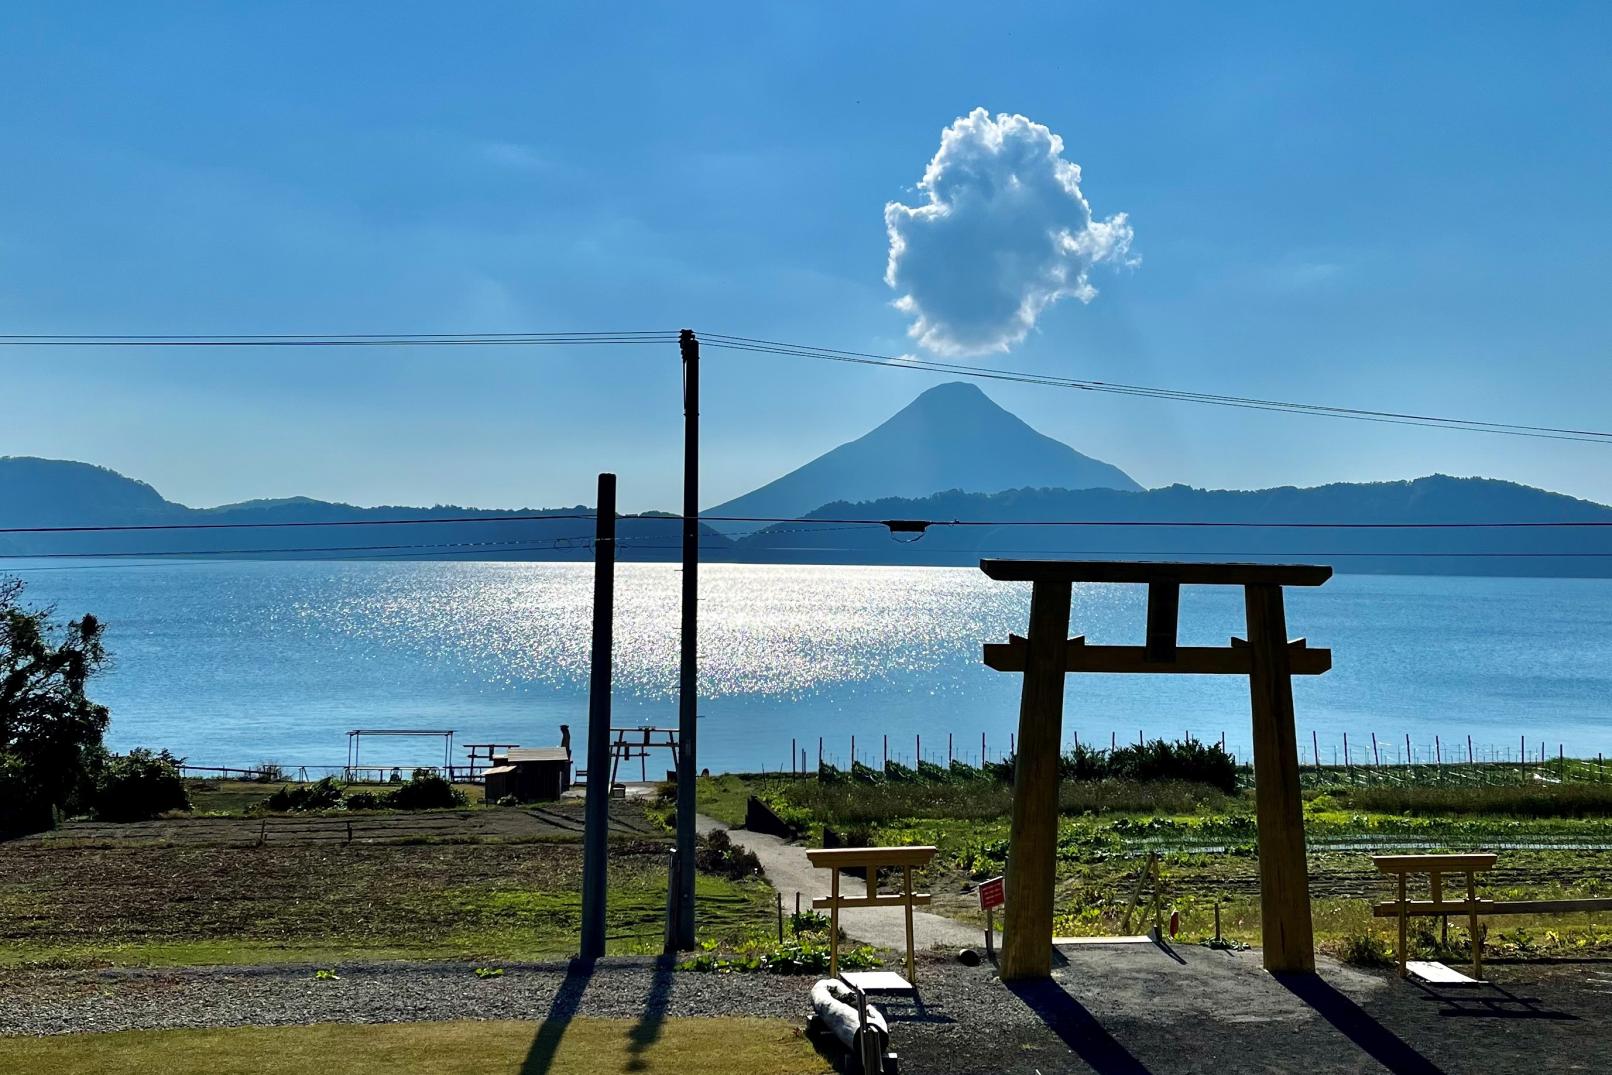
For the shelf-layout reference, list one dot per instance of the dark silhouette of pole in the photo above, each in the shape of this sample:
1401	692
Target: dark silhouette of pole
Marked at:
597	834
687	697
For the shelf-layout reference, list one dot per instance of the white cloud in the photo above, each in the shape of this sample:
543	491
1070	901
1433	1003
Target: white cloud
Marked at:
1003	233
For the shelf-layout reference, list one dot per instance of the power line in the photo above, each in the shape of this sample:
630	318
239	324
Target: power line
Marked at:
810	351
743	343
1210	523
580	541
287	525
403	339
816	525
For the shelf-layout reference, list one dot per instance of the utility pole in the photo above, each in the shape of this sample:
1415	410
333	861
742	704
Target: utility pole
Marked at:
596	835
688	667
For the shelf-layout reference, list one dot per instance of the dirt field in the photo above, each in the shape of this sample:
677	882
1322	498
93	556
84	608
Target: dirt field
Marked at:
559	821
482	883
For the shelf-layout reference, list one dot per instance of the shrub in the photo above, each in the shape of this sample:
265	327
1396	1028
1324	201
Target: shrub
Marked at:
322	794
269	772
427	790
1083	763
1365	950
139	785
364	800
1191	761
717	854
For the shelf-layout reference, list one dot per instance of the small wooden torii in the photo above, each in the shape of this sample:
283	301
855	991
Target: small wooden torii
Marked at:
1267	658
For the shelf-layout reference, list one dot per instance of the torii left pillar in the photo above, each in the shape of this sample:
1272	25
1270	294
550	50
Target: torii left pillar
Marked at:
1267	658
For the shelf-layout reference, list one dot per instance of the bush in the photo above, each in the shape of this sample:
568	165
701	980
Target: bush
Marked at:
138	786
321	795
427	790
364	800
1365	950
717	854
269	772
1191	761
1083	763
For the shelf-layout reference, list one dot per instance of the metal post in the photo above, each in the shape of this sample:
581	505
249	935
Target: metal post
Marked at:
688	668
597	831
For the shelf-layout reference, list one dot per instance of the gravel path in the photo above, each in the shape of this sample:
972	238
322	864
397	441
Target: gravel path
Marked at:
1129	1009
58	1002
791	873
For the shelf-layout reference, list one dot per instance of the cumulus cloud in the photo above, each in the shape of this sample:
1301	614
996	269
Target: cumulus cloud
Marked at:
1003	232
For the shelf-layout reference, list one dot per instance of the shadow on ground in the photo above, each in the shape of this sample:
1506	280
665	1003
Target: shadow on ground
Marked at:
1356	1024
568	999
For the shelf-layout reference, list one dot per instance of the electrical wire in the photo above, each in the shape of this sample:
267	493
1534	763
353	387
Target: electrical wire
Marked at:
752	344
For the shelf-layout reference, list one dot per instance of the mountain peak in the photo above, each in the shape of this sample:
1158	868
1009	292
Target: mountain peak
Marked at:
951	436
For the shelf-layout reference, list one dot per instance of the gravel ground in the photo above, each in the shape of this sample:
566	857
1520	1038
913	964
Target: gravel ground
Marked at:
1110	1009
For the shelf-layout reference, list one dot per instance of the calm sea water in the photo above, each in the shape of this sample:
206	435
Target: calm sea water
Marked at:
236	663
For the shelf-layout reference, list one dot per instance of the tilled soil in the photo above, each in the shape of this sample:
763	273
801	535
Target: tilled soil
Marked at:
64	895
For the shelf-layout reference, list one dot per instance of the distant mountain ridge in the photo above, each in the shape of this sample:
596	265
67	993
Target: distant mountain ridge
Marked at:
38	492
1239	527
952	436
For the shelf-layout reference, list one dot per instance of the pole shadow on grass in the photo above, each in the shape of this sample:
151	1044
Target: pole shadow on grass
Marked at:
1356	1024
567	999
647	1030
1076	1027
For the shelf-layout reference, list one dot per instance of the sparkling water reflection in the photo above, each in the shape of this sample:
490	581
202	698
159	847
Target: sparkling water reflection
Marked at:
234	663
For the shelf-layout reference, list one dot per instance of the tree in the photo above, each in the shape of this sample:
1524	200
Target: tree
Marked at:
50	731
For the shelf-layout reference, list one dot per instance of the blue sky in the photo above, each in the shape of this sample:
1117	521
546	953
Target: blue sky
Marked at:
1387	206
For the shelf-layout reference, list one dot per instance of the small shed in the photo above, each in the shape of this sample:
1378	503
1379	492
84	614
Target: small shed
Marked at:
530	774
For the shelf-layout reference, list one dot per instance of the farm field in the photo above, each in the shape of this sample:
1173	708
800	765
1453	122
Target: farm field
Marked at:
488	884
1552	840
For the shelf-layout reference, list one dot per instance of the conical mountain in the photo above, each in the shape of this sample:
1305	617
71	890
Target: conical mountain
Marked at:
951	437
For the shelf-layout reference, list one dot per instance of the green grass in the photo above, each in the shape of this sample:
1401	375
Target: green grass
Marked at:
1528	801
581	1046
723	797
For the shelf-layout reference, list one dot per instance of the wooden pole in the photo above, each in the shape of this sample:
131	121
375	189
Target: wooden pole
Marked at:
906	891
1287	935
1027	923
597	805
688	658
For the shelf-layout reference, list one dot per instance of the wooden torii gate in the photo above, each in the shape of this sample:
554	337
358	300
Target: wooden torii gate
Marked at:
1267	658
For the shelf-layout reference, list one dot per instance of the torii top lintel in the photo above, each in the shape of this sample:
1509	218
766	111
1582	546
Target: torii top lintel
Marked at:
1191	574
1164	582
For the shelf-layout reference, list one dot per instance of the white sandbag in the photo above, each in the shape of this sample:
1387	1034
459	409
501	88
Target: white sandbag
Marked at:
835	1004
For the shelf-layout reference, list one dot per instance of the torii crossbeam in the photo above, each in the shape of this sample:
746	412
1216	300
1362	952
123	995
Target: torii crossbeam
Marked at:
1267	658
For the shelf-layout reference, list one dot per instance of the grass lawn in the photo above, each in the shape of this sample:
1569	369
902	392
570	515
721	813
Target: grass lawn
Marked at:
582	1046
723	797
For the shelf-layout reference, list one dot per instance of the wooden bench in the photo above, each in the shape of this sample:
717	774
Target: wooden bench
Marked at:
871	859
1436	866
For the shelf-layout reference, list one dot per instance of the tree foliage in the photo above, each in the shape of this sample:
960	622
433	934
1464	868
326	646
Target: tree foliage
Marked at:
50	731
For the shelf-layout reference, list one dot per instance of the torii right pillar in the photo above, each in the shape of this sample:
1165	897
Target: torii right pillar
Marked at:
1267	658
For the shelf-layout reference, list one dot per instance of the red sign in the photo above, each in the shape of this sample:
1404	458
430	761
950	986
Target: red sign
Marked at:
992	894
